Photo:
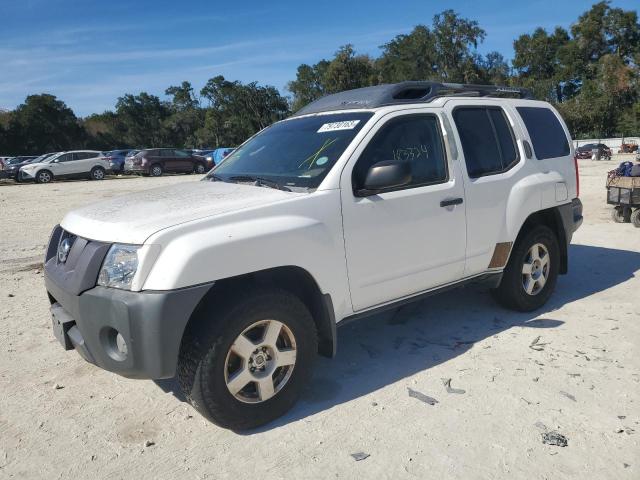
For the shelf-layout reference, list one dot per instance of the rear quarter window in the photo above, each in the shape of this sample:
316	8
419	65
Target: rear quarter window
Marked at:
546	132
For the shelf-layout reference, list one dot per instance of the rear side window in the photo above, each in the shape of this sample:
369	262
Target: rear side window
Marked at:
545	130
487	140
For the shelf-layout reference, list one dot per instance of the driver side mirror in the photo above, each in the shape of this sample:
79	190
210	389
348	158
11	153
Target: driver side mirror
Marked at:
385	175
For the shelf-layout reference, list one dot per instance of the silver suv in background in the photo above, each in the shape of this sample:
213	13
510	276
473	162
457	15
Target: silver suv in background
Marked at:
74	164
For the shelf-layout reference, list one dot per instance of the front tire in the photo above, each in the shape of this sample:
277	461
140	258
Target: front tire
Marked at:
44	176
249	364
532	271
199	169
97	173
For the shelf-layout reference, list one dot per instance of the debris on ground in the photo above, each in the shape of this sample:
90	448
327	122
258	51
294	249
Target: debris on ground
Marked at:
422	397
57	386
536	345
358	456
10	295
149	443
568	395
554	438
447	385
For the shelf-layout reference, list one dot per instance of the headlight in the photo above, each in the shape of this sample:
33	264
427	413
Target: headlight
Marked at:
119	266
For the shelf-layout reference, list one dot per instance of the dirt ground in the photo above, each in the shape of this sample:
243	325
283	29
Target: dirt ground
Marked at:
573	367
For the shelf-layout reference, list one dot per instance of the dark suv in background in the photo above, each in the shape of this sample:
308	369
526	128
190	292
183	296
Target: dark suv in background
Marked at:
586	151
156	161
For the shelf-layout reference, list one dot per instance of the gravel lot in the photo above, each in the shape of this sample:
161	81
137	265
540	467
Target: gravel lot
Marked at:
573	367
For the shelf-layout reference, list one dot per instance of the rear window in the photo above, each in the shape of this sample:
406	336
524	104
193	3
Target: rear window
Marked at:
545	130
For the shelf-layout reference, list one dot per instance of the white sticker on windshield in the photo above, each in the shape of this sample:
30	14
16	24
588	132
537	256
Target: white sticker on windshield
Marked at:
333	126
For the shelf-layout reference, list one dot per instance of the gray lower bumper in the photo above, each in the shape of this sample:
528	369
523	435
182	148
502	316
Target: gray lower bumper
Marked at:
571	215
150	323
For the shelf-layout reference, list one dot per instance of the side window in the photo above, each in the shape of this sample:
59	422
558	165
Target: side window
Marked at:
412	138
487	140
181	153
65	158
545	130
166	153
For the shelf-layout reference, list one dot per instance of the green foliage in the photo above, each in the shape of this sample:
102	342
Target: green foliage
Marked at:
238	111
42	124
590	72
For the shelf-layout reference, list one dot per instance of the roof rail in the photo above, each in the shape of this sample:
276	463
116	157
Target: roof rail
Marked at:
407	92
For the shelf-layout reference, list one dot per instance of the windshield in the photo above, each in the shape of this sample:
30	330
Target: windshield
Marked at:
294	153
15	160
52	157
40	158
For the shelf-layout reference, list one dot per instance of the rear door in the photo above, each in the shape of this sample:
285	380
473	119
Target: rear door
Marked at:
492	165
184	161
84	161
169	161
405	240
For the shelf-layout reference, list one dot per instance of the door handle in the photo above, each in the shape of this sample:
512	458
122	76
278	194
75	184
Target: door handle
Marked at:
451	201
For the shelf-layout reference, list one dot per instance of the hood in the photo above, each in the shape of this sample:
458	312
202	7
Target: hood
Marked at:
134	218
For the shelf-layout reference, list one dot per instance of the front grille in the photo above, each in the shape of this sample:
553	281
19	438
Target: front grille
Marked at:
79	269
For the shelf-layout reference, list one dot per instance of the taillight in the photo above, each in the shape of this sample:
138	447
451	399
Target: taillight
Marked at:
575	163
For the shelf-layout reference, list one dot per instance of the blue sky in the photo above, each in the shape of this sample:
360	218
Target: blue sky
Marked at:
89	52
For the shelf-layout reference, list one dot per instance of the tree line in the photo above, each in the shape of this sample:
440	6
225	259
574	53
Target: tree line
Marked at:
590	72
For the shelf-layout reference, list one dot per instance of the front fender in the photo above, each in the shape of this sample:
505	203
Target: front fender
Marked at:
222	247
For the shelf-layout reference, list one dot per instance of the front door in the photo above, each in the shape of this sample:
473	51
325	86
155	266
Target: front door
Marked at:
409	239
63	165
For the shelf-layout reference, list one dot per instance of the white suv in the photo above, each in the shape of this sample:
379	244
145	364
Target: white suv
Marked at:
75	164
360	202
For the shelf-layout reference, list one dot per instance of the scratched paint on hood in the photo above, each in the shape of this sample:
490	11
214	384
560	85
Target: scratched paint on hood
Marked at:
133	218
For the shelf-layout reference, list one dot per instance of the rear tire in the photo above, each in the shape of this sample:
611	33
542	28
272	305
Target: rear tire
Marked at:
44	176
97	173
217	355
532	271
156	170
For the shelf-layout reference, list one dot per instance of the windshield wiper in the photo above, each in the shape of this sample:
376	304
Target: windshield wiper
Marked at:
259	182
212	177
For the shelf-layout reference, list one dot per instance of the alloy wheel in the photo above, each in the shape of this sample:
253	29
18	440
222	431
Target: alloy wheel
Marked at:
536	268
260	361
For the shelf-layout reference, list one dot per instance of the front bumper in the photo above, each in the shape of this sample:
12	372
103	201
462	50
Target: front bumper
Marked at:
25	176
13	174
88	318
151	324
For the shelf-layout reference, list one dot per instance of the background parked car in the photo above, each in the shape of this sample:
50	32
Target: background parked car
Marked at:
156	161
214	157
586	151
116	159
13	169
75	164
13	164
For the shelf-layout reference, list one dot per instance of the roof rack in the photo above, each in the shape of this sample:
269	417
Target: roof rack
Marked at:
407	92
